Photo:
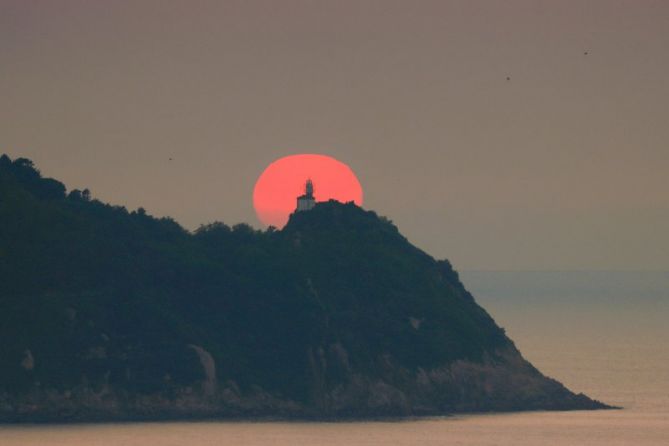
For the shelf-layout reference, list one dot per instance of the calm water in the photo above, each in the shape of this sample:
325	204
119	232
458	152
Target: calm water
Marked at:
601	333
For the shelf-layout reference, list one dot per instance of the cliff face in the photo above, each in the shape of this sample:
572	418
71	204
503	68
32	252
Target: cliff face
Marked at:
110	314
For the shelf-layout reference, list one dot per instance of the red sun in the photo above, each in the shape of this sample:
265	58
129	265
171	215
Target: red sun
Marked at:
276	191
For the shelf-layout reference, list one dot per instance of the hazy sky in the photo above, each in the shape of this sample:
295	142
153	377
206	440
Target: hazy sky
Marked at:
563	166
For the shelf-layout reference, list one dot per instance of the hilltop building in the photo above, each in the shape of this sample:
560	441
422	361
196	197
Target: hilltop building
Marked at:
307	201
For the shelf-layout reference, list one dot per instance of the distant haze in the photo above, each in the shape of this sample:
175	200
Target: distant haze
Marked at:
500	134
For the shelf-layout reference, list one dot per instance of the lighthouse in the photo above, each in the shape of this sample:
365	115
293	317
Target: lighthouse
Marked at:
306	202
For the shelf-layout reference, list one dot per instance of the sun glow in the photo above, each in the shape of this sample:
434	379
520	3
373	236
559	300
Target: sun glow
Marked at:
277	188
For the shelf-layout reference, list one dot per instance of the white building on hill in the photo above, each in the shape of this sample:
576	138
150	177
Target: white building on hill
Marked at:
307	201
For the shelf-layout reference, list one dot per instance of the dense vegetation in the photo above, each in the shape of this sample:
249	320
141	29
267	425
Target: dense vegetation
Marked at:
94	296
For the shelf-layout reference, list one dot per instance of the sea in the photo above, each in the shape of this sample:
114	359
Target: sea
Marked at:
603	333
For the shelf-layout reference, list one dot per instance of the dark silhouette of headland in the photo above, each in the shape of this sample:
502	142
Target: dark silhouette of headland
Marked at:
110	314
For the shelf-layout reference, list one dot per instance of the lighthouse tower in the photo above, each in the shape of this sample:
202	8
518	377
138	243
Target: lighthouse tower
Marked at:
306	202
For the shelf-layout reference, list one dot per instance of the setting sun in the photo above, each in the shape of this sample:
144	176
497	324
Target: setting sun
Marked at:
277	188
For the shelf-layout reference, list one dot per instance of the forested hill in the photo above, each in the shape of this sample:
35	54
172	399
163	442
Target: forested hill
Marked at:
111	314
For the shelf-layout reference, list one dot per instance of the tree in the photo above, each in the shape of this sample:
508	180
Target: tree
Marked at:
75	195
5	161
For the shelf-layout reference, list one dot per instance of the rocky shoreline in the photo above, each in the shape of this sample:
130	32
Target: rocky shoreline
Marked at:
506	384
